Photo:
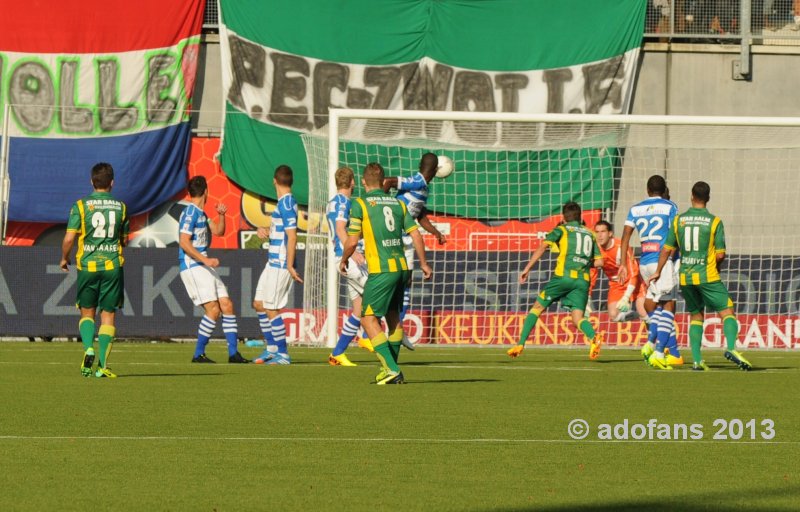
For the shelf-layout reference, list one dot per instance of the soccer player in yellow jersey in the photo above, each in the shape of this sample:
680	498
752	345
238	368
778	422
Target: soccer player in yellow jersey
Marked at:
100	224
382	220
577	253
700	237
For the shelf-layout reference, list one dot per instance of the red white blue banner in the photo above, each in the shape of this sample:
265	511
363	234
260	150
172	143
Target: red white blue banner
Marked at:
96	81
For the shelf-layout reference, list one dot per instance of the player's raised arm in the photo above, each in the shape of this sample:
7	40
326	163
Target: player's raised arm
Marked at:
623	253
390	183
428	226
537	254
419	248
218	227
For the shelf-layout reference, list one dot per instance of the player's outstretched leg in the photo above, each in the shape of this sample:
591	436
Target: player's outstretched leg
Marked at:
406	304
596	339
730	327
231	331
204	331
105	340
270	349
665	322
527	328
674	357
695	342
86	329
349	331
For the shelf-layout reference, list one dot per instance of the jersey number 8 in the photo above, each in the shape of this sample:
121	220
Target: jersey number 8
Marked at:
388	218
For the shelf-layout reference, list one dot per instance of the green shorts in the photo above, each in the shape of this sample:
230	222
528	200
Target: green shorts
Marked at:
384	292
103	289
573	293
707	295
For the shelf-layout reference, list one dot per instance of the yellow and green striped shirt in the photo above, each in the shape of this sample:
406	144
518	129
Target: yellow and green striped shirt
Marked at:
700	236
577	249
102	226
381	219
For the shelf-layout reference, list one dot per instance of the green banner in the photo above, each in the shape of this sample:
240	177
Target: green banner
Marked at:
286	64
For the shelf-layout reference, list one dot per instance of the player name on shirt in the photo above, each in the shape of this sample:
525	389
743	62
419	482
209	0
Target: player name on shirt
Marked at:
392	242
101	247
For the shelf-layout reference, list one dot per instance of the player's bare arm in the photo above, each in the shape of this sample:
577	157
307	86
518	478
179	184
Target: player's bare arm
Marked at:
666	254
537	254
622	275
262	233
426	224
185	242
291	251
66	248
390	183
349	248
419	248
218	227
341	233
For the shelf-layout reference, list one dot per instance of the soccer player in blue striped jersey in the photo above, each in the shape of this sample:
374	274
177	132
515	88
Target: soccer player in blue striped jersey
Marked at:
413	192
202	282
652	219
338	216
279	274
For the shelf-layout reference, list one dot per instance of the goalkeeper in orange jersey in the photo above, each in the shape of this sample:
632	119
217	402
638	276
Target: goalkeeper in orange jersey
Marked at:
621	295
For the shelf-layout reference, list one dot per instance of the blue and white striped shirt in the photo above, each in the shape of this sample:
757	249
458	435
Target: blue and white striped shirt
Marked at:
338	209
414	193
284	217
652	218
193	222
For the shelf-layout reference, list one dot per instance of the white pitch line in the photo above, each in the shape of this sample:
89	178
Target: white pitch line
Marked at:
384	440
444	366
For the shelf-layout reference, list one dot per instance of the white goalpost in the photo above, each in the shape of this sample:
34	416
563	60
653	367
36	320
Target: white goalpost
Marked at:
513	172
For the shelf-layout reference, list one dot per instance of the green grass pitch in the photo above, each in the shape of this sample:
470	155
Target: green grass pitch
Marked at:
472	430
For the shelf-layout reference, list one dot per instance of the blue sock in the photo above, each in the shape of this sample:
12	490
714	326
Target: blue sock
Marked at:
672	345
204	332
406	304
349	331
266	330
279	334
652	333
665	324
230	329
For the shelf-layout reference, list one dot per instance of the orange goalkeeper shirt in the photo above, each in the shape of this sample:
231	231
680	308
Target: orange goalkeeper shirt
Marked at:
611	260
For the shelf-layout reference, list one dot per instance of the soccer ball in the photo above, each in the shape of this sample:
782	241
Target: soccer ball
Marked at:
445	168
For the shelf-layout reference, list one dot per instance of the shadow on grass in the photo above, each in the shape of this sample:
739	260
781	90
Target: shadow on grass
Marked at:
129	375
713	500
450	381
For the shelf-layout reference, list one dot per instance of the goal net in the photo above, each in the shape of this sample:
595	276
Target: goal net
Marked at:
512	175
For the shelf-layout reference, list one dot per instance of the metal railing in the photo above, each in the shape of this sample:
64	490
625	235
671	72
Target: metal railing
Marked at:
723	21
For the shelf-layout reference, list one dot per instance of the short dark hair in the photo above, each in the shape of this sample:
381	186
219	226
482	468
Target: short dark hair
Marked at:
571	211
284	175
428	164
197	186
102	175
373	174
656	185
606	224
701	191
